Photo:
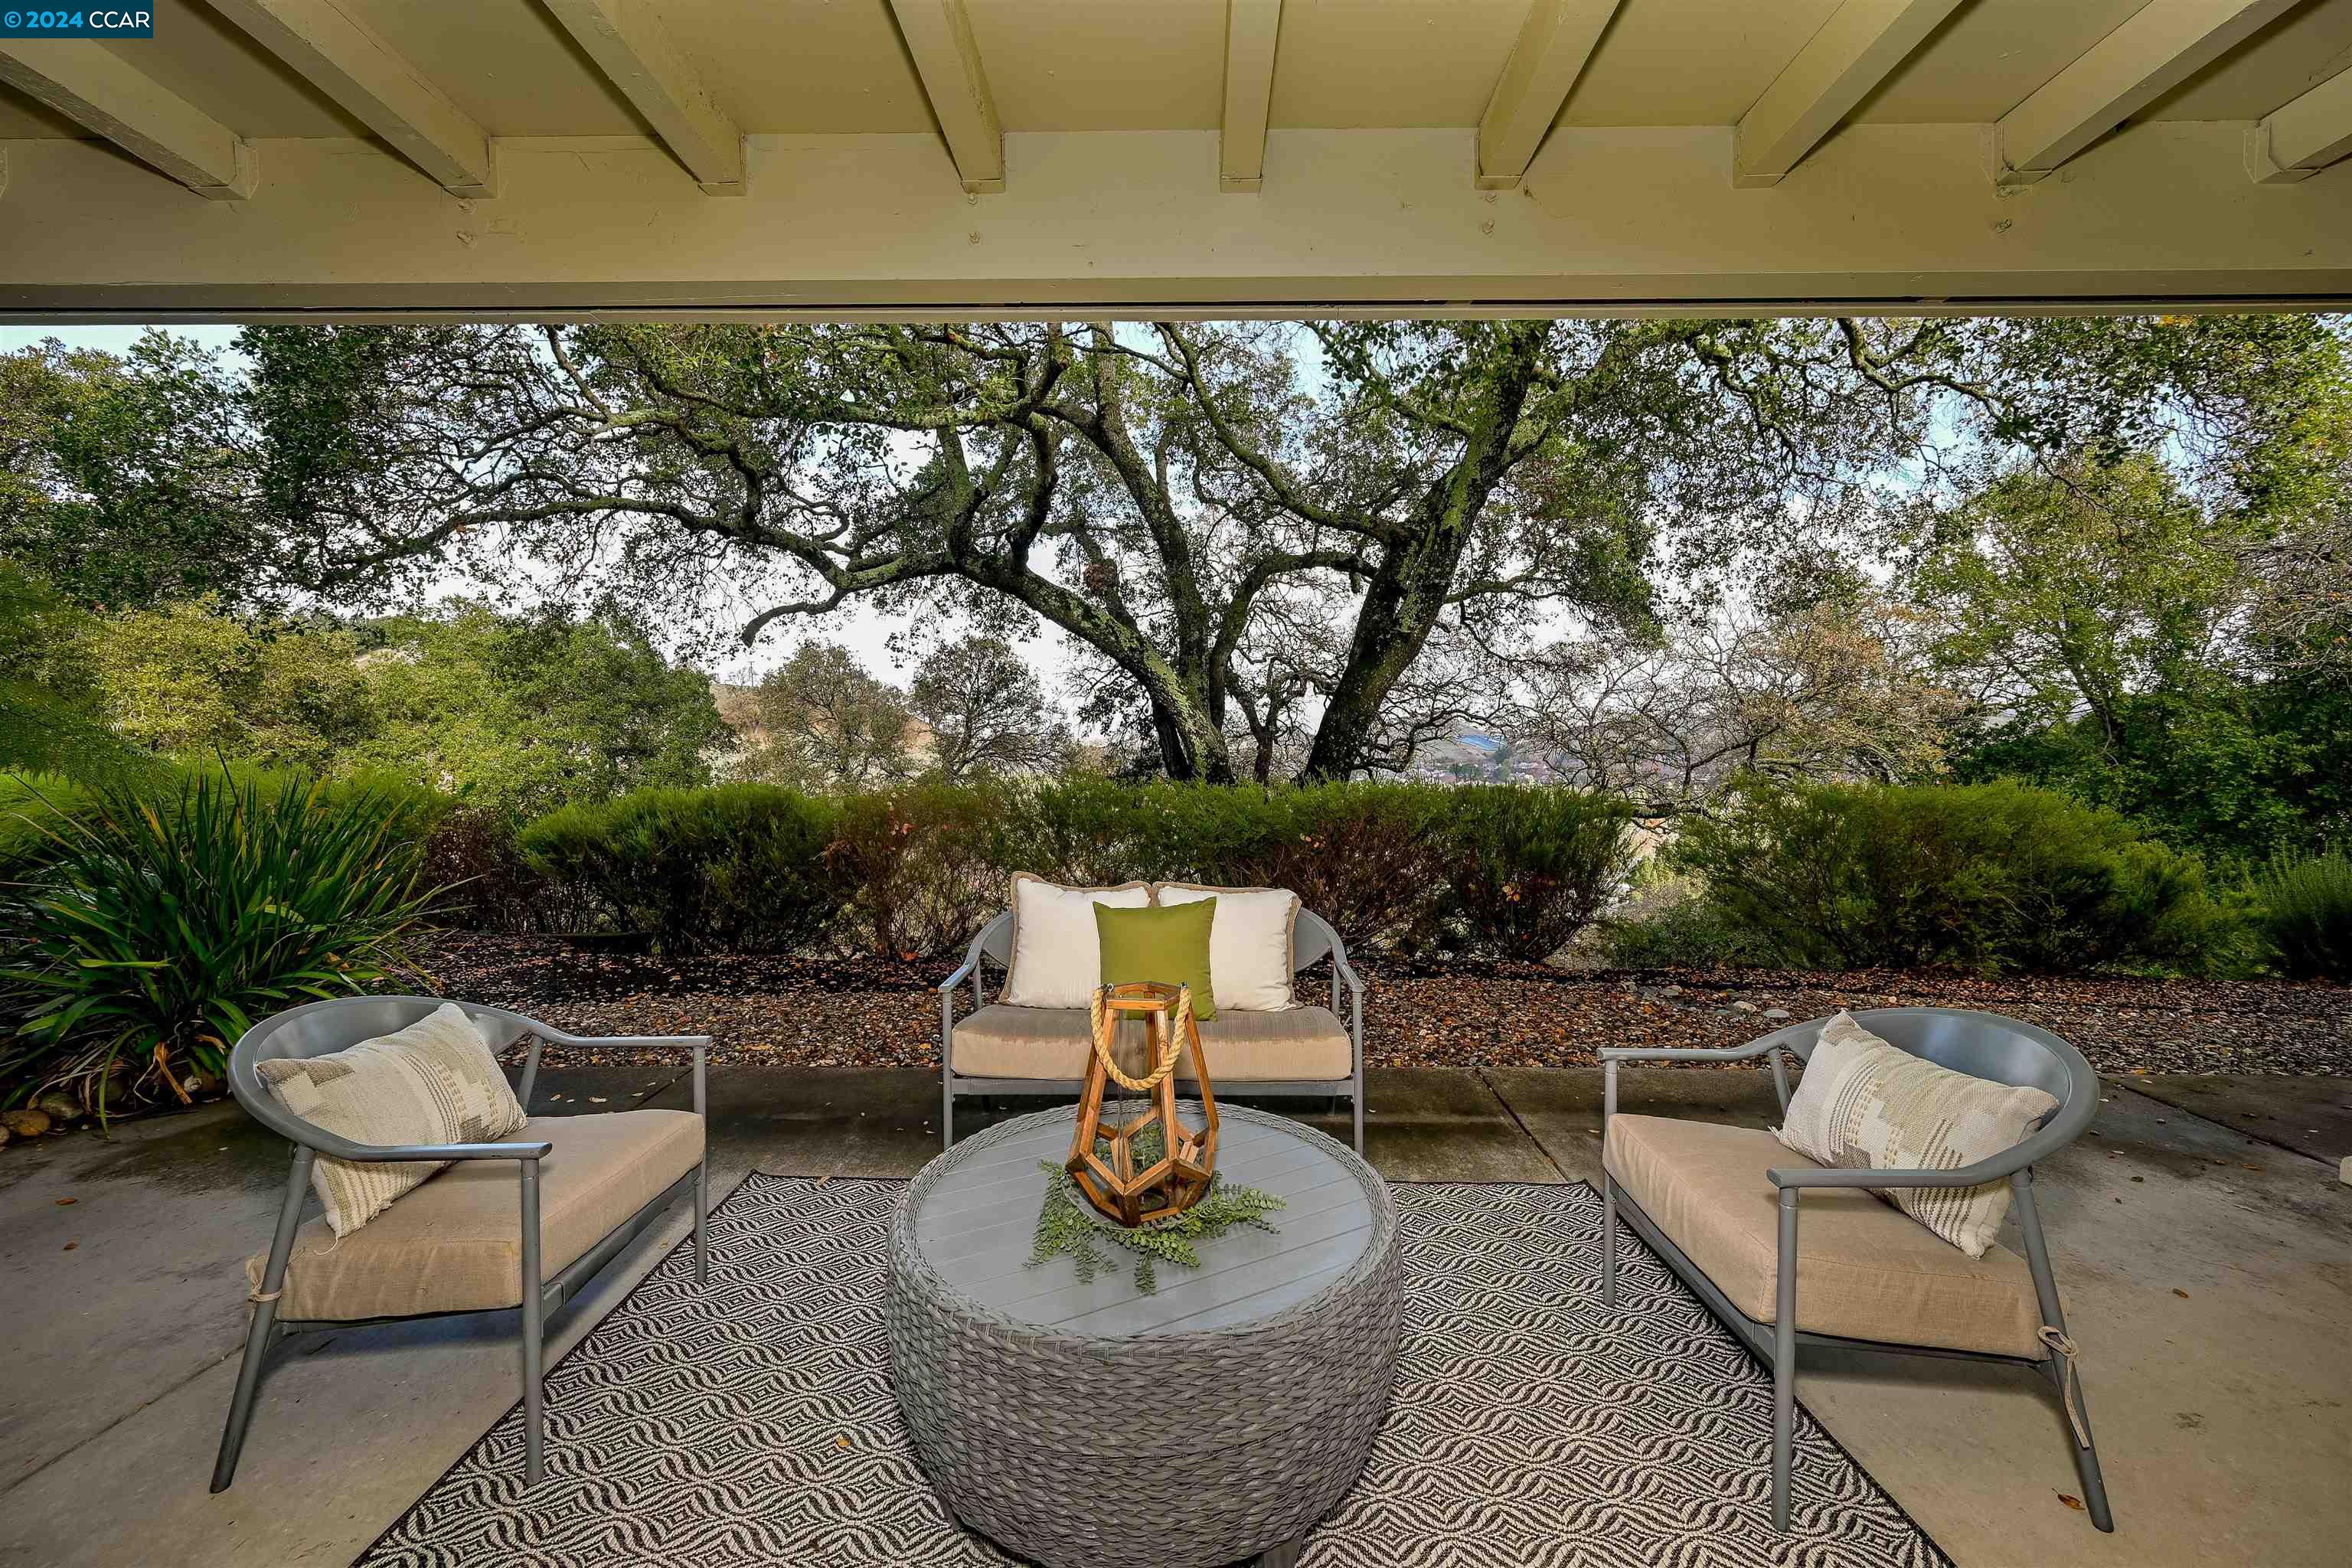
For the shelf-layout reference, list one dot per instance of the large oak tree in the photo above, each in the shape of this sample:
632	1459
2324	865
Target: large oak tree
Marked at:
1340	530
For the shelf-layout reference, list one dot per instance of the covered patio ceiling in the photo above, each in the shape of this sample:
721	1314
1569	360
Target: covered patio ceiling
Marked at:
371	159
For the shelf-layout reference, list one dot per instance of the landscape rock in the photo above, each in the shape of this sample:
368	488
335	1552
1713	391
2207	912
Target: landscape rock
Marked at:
60	1107
1776	1012
24	1121
1743	1006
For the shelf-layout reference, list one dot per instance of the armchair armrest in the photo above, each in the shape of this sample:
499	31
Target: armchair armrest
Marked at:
1689	1053
630	1042
340	1148
1347	972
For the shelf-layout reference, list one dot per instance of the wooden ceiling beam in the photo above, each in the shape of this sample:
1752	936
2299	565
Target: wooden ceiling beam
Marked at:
937	34
104	93
1858	48
2297	141
1251	28
1554	42
635	53
323	43
2157	48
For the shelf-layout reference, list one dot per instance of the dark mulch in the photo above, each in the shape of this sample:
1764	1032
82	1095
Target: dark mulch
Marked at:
769	1010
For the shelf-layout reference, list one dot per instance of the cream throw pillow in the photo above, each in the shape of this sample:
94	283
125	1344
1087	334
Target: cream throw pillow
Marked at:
1056	951
1249	942
435	1081
1864	1105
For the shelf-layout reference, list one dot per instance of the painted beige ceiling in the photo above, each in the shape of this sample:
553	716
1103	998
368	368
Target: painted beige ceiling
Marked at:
838	67
1023	157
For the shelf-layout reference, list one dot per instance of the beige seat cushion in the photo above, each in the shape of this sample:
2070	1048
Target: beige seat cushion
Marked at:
1051	1042
455	1244
1865	1270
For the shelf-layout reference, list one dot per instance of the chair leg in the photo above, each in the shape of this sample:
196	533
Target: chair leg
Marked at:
258	1334
2056	1366
702	1223
1784	1361
249	1379
1608	1242
534	1460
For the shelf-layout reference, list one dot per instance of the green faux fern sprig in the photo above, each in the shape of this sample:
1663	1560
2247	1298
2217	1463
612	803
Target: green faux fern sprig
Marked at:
1068	1225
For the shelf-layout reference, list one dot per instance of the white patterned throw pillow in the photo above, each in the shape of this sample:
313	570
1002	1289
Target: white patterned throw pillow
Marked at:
1865	1105
1056	952
435	1081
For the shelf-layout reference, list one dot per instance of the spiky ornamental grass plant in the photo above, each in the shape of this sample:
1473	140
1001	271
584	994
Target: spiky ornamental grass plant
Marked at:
158	933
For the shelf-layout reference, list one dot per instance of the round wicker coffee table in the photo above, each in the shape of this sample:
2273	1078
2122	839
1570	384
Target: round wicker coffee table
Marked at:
1092	1424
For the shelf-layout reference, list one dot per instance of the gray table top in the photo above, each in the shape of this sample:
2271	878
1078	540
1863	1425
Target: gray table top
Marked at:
977	1223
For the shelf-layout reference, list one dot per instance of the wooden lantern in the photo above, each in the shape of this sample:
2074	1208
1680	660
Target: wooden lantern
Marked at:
1103	1155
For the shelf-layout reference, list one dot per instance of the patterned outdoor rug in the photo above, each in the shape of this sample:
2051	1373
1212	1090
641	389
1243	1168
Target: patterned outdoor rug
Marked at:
753	1423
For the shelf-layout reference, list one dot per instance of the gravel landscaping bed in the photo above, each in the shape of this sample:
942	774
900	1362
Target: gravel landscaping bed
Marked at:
762	1010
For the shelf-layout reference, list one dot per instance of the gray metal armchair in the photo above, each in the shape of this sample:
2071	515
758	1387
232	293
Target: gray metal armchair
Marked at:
585	1243
2028	1332
1303	1052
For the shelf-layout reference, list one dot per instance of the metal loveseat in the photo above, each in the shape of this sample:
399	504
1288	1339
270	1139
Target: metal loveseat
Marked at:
473	1237
1297	1051
1720	1205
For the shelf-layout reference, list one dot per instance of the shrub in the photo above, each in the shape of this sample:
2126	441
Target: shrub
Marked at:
1526	869
1986	876
157	933
733	868
1692	934
2304	909
473	855
1362	855
1369	858
923	867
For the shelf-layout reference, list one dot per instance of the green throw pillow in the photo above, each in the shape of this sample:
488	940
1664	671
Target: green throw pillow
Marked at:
1170	945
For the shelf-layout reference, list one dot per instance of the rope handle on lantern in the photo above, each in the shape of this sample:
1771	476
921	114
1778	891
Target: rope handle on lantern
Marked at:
1176	1026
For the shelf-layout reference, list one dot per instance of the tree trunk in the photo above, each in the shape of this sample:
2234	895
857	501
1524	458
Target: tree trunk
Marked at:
1407	592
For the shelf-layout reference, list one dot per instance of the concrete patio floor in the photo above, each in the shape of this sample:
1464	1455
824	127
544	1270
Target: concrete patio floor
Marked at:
2200	1233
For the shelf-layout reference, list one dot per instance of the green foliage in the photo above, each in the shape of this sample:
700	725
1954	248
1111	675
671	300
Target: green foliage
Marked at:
522	714
1069	1225
189	681
124	479
49	717
2305	910
2230	770
156	934
1529	869
1991	878
736	867
1691	934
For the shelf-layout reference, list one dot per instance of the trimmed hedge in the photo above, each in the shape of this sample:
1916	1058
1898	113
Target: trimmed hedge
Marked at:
917	870
1994	877
735	867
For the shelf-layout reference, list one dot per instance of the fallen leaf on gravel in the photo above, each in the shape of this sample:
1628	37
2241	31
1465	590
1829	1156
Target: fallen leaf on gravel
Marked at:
875	1011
